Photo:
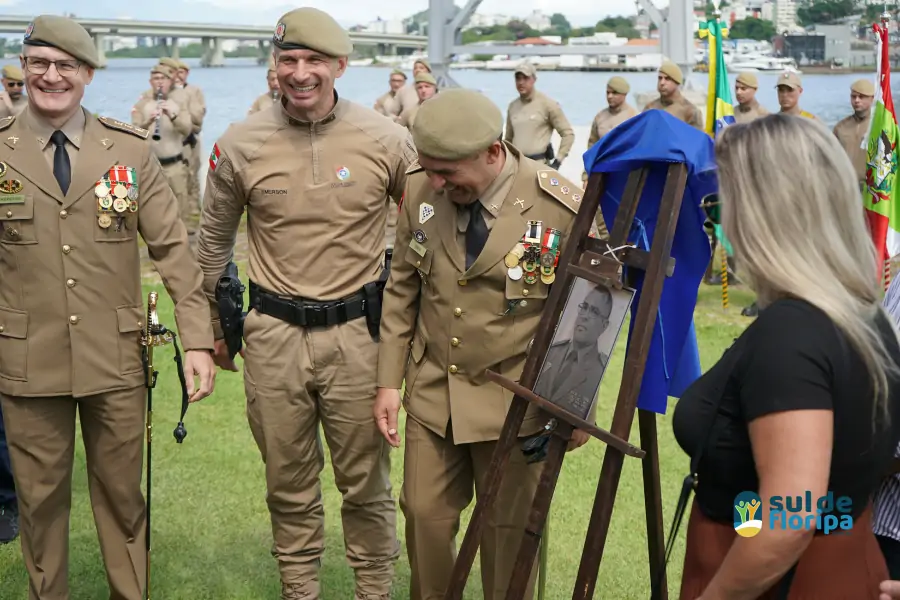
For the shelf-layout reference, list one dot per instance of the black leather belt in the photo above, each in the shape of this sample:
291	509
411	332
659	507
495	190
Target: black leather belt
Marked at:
307	313
171	160
541	156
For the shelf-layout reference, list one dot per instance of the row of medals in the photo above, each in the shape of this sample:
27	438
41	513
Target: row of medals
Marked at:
533	262
118	199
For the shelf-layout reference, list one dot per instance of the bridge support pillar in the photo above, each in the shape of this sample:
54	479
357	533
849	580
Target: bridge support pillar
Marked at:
213	54
173	48
100	44
265	51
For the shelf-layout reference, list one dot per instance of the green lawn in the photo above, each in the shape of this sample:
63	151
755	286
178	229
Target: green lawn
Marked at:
211	529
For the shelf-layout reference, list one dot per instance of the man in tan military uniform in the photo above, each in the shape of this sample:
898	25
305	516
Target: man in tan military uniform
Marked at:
192	144
853	131
12	99
748	107
426	87
72	311
790	88
315	179
267	100
458	303
388	103
532	118
668	83
169	123
407	97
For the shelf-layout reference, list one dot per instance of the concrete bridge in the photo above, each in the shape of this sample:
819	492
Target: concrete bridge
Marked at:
210	35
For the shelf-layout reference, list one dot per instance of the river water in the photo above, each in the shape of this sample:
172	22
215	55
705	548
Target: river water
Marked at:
230	90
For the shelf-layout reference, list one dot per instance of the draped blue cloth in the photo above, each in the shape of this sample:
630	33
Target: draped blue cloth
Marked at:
656	139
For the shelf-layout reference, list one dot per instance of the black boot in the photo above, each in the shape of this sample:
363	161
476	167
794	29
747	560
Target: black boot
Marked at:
9	523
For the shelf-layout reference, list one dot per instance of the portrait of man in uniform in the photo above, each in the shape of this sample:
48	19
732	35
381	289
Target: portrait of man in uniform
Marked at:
584	340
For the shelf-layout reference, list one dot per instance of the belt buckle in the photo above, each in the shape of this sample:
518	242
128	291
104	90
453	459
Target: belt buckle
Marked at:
314	315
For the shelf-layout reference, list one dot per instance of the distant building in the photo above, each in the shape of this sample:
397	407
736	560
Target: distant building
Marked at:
479	20
394	26
537	20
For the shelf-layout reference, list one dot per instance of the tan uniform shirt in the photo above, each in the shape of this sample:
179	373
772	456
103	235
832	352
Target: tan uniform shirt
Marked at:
408	117
607	119
851	132
388	104
71	304
19	104
406	98
798	112
679	107
172	131
197	106
317	196
455	323
262	102
744	113
530	123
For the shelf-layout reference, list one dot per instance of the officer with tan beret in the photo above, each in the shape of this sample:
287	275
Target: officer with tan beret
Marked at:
790	88
169	123
192	144
532	118
407	96
426	87
315	179
748	107
465	295
72	311
267	100
852	131
388	103
12	98
668	83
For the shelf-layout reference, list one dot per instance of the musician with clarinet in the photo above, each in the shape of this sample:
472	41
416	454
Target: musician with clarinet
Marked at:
167	118
271	97
72	314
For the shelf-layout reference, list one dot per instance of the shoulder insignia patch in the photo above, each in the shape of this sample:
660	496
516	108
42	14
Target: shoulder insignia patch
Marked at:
126	127
6	122
414	167
560	188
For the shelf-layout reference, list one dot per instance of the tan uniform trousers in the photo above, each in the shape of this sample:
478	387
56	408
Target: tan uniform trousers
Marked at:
296	379
177	175
193	176
41	437
438	478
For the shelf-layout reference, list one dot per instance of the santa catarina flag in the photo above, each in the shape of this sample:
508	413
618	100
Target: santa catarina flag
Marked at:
882	191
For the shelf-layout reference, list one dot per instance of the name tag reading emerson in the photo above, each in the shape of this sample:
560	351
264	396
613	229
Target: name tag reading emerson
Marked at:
825	514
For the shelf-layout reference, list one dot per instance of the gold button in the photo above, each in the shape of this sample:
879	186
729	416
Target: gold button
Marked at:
73	319
462	282
524	292
12	233
70	282
457	311
454	342
9	214
418	263
63	214
453	369
2	328
67	248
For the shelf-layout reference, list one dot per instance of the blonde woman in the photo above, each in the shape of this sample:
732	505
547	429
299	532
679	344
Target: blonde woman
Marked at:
806	402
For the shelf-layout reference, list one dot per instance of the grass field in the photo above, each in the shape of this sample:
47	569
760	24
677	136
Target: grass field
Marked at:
211	530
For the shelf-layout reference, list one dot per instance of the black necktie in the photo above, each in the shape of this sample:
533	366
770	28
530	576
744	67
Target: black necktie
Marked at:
476	233
62	169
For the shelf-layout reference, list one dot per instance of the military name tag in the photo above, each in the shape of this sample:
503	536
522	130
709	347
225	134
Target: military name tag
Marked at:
417	247
12	199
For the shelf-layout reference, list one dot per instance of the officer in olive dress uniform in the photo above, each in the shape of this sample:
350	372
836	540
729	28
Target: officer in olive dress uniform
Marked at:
267	100
790	88
170	122
316	178
12	98
532	118
478	237
426	87
669	79
852	131
77	193
748	107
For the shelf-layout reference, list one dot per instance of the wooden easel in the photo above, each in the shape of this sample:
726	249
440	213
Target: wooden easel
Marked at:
590	259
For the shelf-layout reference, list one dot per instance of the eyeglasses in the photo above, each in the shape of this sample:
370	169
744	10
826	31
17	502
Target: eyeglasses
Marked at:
13	84
39	66
585	307
712	207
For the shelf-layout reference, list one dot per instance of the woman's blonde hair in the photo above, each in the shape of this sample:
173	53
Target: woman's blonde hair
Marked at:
792	210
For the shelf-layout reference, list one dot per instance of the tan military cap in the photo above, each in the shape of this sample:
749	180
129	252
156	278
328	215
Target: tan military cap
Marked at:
309	28
424	63
864	87
790	79
163	70
63	34
672	71
183	65
172	63
618	85
13	72
426	78
748	79
398	72
527	69
456	124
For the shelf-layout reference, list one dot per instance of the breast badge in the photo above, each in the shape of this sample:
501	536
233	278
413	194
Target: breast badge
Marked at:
117	194
10	186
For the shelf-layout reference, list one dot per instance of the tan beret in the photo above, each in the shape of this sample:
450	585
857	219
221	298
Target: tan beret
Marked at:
456	124
183	65
424	63
748	79
527	69
172	63
790	79
63	34
618	85
162	69
672	71
398	72
309	28
864	87
13	72
426	78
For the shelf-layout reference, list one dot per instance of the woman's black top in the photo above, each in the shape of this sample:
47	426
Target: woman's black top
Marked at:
792	357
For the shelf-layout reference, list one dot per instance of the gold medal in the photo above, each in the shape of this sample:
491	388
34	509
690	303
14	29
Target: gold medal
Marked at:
101	191
511	260
120	205
548	279
120	191
104	221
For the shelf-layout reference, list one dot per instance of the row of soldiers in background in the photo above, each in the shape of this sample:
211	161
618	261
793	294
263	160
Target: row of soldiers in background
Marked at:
174	111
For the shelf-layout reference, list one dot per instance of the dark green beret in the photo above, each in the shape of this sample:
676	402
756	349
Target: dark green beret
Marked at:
312	29
63	34
456	124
